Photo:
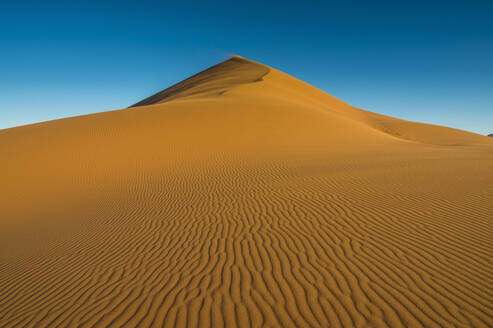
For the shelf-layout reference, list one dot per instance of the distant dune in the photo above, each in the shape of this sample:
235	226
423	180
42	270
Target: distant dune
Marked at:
243	197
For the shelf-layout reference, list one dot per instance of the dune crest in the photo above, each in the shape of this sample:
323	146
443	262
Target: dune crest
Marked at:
244	197
213	81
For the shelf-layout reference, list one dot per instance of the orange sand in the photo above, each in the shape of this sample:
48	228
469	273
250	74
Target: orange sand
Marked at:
245	197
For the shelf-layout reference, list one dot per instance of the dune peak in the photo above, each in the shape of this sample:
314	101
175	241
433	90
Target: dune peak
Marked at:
212	81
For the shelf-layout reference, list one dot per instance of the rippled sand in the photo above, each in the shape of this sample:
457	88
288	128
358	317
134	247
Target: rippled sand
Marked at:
245	197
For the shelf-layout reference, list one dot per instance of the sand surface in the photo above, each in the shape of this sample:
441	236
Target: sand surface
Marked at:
245	197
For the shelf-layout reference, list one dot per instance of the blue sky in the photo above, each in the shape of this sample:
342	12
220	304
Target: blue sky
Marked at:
428	61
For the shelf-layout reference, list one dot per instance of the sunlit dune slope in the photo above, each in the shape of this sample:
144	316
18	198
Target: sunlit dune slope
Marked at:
245	197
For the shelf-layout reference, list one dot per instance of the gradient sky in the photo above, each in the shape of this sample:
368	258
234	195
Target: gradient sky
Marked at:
429	61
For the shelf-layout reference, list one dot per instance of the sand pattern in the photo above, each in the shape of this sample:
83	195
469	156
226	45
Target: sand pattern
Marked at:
260	203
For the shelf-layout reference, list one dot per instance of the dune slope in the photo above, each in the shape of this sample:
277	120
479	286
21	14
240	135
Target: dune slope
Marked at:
245	197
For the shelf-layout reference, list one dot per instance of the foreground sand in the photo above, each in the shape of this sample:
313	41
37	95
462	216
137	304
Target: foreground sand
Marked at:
245	197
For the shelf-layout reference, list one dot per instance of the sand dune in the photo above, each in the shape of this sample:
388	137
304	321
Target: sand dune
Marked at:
245	197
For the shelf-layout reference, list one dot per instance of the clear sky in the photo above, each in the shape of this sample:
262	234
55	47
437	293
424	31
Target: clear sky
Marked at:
428	61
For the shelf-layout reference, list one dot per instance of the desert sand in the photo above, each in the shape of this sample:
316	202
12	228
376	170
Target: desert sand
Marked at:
244	197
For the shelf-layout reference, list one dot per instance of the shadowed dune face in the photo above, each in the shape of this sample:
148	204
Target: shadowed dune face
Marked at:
245	197
211	82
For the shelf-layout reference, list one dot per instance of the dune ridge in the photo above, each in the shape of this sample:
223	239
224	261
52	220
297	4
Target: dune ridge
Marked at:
243	197
211	82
